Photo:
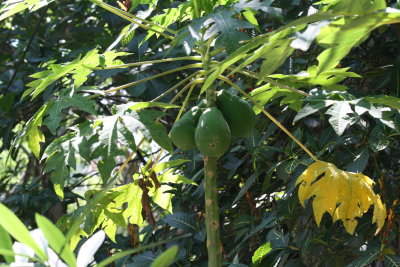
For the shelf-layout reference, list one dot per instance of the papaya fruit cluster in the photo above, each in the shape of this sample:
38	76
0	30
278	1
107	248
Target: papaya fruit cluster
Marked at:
210	129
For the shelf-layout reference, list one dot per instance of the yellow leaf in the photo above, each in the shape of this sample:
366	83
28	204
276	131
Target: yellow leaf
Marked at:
344	195
349	196
379	214
350	225
325	202
307	177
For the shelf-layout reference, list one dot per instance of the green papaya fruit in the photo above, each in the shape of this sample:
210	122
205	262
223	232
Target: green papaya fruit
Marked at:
183	131
212	136
237	112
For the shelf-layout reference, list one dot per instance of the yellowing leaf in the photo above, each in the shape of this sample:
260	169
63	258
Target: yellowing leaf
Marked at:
325	202
344	195
379	214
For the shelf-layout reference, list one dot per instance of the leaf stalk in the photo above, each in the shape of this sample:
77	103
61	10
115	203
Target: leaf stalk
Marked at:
133	19
135	64
197	65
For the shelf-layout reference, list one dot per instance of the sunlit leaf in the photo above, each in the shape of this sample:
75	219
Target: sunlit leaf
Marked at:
391	101
344	195
379	214
303	40
80	68
260	253
169	16
340	118
56	240
6	244
162	197
10	222
275	55
341	36
12	7
264	6
170	177
33	133
132	196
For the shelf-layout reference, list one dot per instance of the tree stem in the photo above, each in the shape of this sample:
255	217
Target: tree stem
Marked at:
212	212
210	177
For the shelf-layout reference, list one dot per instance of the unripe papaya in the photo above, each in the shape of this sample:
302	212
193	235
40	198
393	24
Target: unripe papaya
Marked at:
237	112
183	131
212	135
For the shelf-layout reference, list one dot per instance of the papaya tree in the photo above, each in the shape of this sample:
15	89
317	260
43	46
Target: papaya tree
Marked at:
260	133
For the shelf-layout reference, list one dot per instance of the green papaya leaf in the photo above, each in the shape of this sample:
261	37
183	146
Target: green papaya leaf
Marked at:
390	101
11	7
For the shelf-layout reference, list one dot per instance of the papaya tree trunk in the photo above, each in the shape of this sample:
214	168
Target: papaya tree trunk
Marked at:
212	212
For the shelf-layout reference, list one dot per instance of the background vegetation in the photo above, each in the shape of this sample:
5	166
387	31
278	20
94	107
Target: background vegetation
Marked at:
85	144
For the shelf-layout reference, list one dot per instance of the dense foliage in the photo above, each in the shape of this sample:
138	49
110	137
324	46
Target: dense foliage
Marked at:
90	89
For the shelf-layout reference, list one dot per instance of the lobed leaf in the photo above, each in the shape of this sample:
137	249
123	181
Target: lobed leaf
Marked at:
344	195
12	7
